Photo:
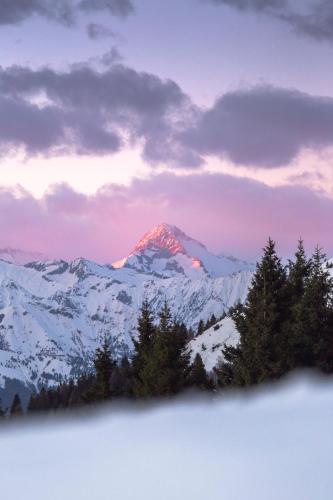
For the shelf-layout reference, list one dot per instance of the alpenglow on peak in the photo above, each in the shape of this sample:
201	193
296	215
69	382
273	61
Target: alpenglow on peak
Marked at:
164	237
167	251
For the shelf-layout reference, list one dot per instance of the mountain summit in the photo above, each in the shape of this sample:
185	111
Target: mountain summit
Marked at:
167	251
165	237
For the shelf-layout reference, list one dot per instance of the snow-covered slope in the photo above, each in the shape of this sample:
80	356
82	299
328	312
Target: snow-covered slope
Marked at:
272	445
211	342
20	257
54	314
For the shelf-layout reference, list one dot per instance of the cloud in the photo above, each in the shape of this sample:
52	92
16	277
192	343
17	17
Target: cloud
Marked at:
111	57
228	214
98	31
313	18
51	131
120	8
61	11
86	111
256	5
263	126
316	23
91	111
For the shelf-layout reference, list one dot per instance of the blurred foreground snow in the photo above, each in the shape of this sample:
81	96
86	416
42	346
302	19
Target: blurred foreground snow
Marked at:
275	445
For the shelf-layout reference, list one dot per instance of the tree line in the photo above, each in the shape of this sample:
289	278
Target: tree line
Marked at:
286	323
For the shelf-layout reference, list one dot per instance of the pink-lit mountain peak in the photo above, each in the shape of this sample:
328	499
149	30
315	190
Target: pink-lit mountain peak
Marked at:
165	237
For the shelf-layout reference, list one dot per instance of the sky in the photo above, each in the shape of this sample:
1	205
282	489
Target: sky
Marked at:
213	115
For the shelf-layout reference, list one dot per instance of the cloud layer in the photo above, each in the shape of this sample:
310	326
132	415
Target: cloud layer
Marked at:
87	111
61	11
263	126
228	214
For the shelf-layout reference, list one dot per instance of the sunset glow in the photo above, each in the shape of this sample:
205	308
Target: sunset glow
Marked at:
122	136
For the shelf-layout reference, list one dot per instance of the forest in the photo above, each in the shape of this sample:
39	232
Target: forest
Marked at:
285	324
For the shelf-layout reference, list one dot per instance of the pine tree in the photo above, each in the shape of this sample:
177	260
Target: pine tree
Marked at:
104	365
121	382
201	327
198	377
299	273
16	407
156	372
313	329
260	322
164	368
143	348
2	412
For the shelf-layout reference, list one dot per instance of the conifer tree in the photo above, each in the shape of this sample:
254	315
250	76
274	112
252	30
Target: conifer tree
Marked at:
201	327
104	366
164	369
121	382
260	323
313	329
2	412
156	372
198	377
16	407
143	348
299	272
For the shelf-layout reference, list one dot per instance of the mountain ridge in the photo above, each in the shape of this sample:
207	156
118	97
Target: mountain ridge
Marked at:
55	313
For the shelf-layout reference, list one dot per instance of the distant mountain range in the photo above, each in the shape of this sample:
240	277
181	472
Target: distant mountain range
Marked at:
53	313
20	257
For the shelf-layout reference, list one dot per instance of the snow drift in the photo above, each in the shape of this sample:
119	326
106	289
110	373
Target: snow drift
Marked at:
269	445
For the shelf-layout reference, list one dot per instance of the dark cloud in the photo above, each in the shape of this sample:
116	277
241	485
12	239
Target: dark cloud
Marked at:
16	11
61	11
120	8
96	112
316	23
98	31
23	124
49	130
111	57
264	126
257	5
91	111
313	18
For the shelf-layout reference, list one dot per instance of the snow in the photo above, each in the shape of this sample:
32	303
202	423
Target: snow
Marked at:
215	265
168	251
20	257
211	342
54	314
269	445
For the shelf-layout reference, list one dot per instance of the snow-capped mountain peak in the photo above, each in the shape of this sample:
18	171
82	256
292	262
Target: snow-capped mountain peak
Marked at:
167	251
165	237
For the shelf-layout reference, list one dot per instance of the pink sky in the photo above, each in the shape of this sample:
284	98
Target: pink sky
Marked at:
103	137
228	214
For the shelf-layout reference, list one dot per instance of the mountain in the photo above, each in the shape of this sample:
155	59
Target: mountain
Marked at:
20	257
167	251
53	314
210	343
